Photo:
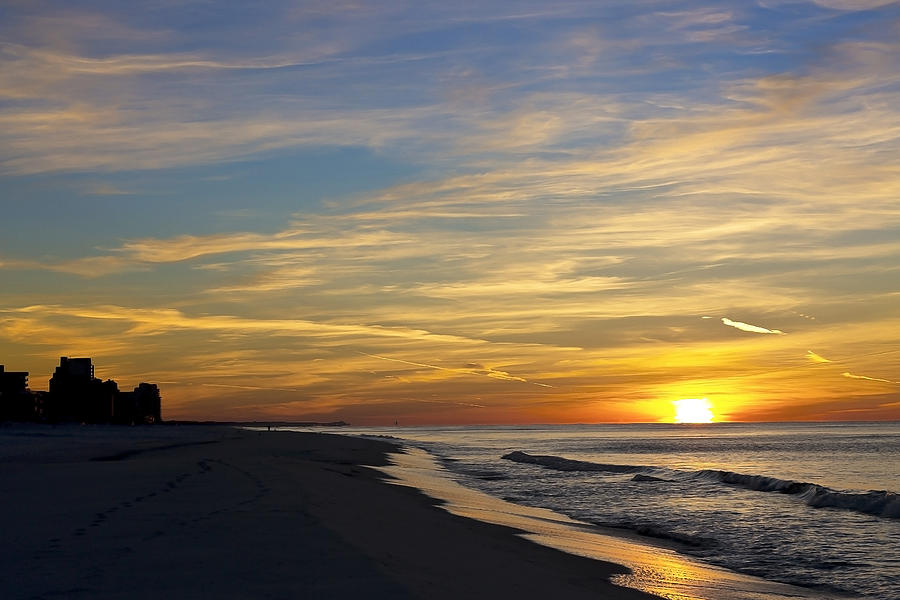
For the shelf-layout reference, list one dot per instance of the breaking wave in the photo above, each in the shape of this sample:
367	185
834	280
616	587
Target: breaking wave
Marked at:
879	503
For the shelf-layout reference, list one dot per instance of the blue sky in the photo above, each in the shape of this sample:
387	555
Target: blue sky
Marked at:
466	212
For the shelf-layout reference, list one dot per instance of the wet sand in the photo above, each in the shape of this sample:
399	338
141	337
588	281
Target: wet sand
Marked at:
215	512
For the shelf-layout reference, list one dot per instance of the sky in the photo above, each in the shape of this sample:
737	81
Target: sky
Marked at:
457	212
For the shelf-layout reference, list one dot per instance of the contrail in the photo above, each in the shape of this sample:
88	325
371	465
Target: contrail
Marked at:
483	372
236	387
450	403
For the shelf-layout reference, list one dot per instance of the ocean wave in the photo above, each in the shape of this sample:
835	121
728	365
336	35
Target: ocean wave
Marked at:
649	478
485	474
559	463
662	533
879	503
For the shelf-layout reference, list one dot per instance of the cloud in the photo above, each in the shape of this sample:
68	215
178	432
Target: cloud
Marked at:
853	376
750	328
241	387
470	369
95	138
89	266
502	286
79	111
820	359
273	280
816	358
188	247
853	4
844	5
447	403
100	188
125	64
148	321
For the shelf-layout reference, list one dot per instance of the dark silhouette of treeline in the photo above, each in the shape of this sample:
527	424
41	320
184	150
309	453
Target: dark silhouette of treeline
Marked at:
77	396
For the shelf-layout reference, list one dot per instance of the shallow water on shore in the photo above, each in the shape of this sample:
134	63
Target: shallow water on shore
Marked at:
808	504
657	570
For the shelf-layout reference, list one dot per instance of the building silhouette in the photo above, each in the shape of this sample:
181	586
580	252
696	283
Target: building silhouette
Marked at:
142	406
16	402
76	395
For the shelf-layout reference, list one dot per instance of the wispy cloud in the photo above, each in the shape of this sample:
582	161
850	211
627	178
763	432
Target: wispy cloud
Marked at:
822	360
816	358
141	254
99	188
468	369
168	132
853	376
853	4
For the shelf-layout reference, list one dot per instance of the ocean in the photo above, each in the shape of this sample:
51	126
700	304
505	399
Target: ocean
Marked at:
809	504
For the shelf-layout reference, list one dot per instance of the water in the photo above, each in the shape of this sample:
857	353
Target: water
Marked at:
814	505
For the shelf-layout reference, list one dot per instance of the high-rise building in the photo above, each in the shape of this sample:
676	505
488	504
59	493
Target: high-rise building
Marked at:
76	394
13	382
16	402
140	407
72	370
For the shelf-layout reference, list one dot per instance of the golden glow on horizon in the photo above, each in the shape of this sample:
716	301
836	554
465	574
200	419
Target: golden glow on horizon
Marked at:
693	410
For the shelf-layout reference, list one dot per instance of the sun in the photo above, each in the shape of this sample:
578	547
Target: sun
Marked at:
693	410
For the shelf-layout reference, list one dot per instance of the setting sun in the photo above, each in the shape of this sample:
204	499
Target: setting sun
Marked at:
693	410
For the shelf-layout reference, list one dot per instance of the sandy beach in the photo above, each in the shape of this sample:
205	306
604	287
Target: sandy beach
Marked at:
217	512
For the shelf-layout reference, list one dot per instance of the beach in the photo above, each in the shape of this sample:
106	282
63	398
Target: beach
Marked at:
220	512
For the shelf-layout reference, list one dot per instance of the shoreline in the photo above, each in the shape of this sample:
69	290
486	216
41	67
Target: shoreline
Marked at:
653	566
221	512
